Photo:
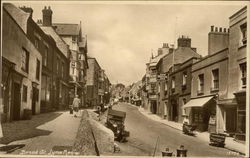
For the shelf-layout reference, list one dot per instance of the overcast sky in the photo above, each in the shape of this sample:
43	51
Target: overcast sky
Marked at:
122	36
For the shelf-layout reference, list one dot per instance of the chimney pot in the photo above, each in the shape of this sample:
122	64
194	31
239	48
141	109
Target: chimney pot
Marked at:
216	29
45	7
225	30
212	28
220	29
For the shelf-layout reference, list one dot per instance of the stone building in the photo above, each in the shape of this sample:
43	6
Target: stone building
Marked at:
209	83
21	66
179	89
93	84
55	70
158	78
72	35
153	69
219	81
235	105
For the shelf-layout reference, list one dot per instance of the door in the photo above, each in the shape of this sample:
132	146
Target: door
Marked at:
231	120
16	101
34	100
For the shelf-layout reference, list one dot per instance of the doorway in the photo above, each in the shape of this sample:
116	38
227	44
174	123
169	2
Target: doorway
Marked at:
174	110
231	120
16	101
34	99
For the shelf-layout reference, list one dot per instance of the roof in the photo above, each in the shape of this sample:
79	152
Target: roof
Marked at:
18	15
63	47
67	29
155	60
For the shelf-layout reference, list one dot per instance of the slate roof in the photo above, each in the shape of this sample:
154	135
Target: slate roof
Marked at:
18	15
155	60
63	47
67	29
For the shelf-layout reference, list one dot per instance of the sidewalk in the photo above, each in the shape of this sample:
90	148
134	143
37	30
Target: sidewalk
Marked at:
229	142
64	129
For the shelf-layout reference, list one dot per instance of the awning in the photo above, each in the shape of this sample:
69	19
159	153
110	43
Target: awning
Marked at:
199	102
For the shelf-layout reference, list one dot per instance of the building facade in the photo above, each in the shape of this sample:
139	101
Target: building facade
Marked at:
72	35
21	67
168	104
55	86
179	89
92	84
237	76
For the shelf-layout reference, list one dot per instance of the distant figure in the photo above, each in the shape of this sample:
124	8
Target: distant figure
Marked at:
76	103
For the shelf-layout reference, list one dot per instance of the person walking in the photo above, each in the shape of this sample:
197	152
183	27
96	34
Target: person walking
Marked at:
76	103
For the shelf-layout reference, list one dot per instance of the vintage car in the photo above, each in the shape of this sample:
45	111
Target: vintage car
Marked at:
115	122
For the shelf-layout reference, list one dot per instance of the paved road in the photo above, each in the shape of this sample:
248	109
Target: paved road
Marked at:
144	133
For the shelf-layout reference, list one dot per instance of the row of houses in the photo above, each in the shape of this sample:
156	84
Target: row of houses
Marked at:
98	85
211	90
44	64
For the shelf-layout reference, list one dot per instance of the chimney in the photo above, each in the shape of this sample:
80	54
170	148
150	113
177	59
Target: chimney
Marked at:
39	21
165	45
47	16
27	10
184	41
217	40
212	28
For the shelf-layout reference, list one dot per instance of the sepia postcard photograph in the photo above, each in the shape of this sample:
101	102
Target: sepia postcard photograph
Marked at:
124	78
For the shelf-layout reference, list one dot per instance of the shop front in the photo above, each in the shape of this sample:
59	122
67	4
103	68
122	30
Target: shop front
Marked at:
241	115
200	110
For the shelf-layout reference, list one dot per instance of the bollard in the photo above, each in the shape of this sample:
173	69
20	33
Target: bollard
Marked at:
182	152
167	153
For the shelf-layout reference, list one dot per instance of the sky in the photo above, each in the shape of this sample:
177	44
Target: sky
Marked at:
122	36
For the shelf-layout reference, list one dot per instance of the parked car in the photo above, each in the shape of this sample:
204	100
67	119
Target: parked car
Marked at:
115	122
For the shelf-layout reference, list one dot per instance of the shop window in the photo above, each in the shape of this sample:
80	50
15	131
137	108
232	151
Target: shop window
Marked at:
243	29
38	69
25	60
201	84
243	68
25	91
215	80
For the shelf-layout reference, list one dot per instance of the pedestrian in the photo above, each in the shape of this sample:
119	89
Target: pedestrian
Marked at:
76	103
186	120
